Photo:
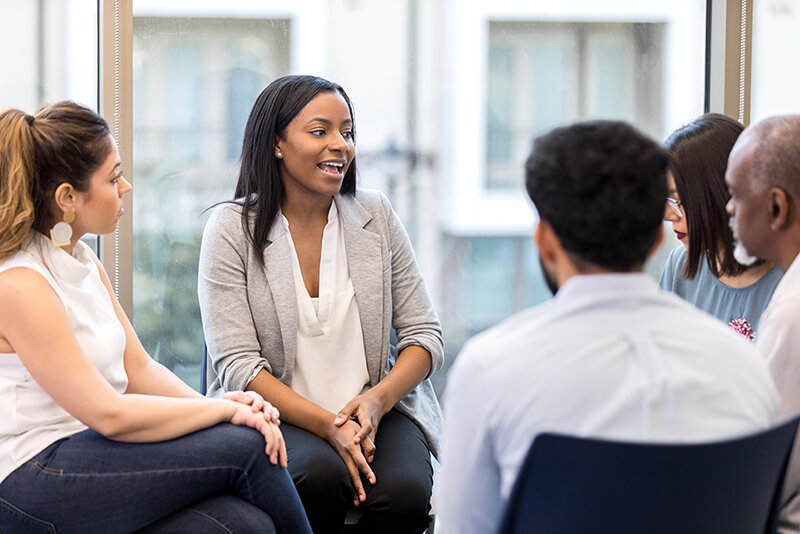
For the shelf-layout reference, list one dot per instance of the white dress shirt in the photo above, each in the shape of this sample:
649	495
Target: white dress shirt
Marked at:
610	356
331	366
779	342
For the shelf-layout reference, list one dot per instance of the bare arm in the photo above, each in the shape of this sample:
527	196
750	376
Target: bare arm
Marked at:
42	337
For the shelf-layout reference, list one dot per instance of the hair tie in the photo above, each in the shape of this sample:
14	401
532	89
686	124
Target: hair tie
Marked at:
30	119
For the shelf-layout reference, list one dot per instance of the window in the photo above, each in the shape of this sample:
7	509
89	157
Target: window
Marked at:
543	75
195	80
446	106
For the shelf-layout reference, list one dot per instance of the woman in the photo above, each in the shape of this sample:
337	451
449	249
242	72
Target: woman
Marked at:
95	436
301	280
703	270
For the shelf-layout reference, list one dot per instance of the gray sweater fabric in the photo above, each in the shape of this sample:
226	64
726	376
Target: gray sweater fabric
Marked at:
249	310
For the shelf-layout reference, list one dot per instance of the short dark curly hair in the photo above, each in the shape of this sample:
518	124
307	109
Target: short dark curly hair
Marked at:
602	186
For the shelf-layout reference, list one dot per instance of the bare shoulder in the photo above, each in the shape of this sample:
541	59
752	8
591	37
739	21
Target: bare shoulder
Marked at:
19	287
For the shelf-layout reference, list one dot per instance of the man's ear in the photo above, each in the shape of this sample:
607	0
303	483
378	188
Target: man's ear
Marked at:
547	241
65	197
779	204
659	240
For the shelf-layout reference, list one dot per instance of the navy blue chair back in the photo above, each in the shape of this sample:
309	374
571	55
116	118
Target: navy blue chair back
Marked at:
204	369
569	484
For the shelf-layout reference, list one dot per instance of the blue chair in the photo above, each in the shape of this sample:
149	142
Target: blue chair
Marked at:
570	485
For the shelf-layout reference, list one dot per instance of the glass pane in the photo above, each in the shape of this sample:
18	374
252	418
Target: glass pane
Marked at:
446	109
195	79
774	87
54	44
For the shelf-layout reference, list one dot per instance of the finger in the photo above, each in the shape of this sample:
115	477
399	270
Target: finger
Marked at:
283	455
368	447
358	487
365	430
344	414
361	463
274	415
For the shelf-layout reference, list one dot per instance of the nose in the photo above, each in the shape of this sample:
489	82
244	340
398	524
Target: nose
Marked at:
124	186
339	143
730	208
669	213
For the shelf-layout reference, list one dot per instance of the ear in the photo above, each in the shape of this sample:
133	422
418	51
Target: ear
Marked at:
277	149
659	240
66	197
547	241
779	203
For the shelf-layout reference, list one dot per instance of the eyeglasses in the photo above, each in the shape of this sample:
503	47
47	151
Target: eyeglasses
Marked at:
676	205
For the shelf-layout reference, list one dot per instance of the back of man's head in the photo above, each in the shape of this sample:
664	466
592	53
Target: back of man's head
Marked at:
602	187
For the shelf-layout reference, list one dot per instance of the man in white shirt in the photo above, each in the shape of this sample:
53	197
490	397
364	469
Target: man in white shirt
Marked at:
611	355
763	176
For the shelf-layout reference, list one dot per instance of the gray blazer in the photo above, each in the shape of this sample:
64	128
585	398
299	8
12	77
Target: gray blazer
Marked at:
249	311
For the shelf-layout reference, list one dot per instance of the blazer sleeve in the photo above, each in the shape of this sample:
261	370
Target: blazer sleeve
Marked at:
413	316
230	333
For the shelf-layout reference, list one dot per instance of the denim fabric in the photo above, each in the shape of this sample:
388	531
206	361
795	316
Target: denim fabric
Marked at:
217	479
399	502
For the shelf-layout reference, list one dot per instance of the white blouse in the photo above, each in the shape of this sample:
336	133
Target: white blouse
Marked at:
30	420
330	366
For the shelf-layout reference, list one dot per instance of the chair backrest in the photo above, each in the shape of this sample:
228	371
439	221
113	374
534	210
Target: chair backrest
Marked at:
570	484
204	369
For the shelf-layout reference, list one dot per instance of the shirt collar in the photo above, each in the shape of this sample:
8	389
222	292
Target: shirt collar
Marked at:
614	285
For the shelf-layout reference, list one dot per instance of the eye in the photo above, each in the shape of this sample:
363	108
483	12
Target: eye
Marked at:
317	133
115	179
348	134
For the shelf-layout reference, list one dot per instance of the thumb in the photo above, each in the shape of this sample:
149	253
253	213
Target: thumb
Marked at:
344	413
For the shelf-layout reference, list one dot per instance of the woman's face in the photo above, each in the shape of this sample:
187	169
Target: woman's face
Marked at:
99	209
318	147
674	213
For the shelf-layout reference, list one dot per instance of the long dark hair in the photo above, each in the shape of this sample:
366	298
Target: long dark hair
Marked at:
699	156
260	189
63	142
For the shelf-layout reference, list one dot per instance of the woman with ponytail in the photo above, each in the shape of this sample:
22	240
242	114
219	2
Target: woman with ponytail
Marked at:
95	436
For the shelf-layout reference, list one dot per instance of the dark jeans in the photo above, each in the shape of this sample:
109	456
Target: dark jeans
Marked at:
214	480
398	503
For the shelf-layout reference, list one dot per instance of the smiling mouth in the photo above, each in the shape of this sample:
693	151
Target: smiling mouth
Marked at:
332	168
679	235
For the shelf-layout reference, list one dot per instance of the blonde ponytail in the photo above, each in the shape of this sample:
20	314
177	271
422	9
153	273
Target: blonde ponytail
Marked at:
17	179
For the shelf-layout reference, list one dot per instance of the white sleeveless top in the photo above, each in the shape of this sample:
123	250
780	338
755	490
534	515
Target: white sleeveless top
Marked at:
330	367
30	420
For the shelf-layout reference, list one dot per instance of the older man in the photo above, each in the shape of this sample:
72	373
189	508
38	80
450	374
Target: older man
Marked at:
764	180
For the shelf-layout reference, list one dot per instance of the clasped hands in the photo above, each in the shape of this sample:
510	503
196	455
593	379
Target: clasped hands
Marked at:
353	437
257	413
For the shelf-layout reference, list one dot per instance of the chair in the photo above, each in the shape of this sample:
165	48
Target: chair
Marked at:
570	484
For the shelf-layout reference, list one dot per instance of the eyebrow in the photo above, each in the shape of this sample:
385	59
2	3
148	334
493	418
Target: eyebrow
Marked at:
114	169
327	122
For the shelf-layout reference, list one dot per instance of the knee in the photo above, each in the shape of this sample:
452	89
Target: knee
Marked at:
322	475
406	499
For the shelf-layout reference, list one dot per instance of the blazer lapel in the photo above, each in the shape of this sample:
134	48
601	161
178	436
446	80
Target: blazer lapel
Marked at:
365	262
278	270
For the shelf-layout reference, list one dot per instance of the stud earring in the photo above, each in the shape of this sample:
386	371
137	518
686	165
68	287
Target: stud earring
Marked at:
61	233
278	154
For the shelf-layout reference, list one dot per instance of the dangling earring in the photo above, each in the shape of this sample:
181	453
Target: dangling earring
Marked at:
61	233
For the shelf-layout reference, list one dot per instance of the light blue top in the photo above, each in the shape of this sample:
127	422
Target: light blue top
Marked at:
707	293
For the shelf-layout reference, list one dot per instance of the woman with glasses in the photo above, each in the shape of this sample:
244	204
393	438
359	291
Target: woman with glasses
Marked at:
704	270
95	436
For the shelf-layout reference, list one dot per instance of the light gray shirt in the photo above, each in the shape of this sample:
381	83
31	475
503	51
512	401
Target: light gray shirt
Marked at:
611	356
249	310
